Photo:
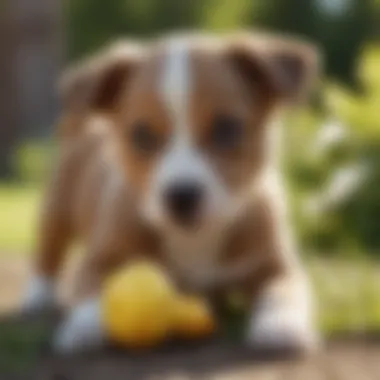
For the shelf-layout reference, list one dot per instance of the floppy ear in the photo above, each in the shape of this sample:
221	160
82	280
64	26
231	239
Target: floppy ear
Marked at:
283	68
96	83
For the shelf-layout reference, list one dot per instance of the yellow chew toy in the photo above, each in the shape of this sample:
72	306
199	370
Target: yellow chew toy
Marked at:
141	308
192	317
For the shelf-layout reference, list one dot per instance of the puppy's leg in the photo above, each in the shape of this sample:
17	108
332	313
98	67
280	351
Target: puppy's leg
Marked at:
282	317
54	236
282	314
115	242
117	238
83	328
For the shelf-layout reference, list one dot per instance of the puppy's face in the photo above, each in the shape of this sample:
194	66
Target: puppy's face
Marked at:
192	137
192	121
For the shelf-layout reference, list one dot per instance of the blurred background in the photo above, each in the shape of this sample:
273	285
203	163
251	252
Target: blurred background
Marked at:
332	146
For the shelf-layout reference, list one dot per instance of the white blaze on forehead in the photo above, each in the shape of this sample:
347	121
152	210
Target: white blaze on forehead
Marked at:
181	160
175	84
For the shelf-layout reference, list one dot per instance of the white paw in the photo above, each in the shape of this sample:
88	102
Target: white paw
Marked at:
282	327
39	294
82	330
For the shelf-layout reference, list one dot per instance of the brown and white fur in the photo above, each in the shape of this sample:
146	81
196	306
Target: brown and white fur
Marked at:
168	151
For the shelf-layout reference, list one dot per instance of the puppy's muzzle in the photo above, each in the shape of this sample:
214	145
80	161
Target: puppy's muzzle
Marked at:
183	202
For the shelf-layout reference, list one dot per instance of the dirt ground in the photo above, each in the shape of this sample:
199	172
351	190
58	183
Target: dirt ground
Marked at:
344	358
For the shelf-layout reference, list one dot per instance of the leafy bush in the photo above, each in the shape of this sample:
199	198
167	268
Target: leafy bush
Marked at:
333	167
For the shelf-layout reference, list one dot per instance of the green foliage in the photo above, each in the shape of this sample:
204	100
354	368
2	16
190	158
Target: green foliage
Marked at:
349	224
339	30
92	23
221	15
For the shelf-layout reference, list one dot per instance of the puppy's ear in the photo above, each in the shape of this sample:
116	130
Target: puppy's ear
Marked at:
96	83
283	68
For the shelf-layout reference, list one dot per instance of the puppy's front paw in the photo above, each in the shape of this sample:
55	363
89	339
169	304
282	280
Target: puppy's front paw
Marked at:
282	327
82	330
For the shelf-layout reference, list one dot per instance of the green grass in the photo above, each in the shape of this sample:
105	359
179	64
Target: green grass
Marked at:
18	205
347	293
19	199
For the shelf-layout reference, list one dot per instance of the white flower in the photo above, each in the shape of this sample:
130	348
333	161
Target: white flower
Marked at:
331	133
345	182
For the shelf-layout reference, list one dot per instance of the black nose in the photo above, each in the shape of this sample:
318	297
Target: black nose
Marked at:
183	201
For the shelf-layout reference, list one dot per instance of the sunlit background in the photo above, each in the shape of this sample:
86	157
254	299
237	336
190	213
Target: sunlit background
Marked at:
332	147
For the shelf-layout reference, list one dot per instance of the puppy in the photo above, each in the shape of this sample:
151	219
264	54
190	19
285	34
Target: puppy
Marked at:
168	151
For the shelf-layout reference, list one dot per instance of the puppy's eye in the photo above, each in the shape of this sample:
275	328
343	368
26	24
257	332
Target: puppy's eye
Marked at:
226	132
143	138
